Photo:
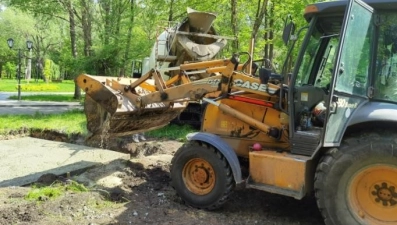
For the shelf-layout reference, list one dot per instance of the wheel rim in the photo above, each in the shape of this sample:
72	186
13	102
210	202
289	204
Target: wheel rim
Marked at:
373	196
199	176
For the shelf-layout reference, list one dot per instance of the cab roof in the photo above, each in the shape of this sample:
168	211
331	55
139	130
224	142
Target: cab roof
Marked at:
336	7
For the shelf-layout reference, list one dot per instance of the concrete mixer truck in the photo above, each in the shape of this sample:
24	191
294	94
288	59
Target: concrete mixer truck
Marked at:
194	39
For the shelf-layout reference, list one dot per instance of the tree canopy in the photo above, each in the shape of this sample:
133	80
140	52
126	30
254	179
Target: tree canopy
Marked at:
103	37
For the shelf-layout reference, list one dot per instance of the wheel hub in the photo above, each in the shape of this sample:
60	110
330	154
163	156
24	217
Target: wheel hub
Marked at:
199	176
372	195
385	194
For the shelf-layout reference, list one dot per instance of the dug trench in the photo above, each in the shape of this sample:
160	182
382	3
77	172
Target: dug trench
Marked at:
138	191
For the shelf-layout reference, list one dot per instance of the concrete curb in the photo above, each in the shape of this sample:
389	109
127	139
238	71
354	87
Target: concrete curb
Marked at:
40	105
28	107
16	103
26	159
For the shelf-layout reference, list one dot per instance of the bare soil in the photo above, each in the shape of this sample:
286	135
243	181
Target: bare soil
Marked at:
138	191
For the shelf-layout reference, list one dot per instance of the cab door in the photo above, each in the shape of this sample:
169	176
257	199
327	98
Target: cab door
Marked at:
349	83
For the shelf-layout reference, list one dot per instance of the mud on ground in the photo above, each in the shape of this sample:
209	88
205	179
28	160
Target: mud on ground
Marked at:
138	191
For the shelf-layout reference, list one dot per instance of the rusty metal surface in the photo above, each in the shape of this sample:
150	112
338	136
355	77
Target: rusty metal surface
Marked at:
132	123
124	123
124	106
95	88
110	110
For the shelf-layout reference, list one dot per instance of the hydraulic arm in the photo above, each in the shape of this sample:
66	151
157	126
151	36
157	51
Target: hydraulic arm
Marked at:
135	105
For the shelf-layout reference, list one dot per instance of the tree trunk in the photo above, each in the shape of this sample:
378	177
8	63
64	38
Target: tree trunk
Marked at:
171	12
40	52
129	38
271	33
41	69
86	22
118	15
72	32
235	45
28	74
105	5
266	38
260	13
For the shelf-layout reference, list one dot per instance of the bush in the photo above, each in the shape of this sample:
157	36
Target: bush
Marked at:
51	70
10	69
39	87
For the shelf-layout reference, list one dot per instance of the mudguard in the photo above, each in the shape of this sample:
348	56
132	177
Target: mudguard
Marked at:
375	111
223	147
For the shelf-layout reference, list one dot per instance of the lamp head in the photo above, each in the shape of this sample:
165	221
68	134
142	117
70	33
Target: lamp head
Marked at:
10	42
29	44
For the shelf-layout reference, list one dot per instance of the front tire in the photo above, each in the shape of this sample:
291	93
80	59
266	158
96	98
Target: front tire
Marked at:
356	184
201	175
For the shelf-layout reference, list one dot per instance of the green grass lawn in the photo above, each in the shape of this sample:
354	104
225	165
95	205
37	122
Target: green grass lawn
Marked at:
7	85
44	97
67	122
11	85
75	122
172	131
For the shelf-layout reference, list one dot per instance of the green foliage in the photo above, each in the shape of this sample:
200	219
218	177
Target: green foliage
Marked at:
47	69
172	131
10	85
76	187
39	87
42	193
10	69
51	70
73	121
107	45
105	61
55	74
42	97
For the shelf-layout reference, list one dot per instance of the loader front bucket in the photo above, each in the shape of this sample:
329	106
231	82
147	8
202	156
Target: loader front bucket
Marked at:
112	111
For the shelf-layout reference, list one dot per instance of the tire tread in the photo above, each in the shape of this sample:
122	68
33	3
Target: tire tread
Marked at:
330	159
229	185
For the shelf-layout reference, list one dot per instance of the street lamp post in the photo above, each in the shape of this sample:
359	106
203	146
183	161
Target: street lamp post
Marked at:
37	70
29	45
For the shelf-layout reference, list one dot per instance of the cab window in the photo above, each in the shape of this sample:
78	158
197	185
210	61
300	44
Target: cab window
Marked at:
308	61
386	62
352	74
318	61
324	75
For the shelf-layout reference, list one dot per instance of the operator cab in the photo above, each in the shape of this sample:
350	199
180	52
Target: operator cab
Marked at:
346	66
312	83
331	75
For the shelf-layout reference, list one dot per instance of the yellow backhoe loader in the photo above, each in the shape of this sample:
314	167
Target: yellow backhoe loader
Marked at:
328	128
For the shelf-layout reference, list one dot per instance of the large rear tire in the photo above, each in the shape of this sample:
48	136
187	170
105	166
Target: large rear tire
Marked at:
356	184
201	176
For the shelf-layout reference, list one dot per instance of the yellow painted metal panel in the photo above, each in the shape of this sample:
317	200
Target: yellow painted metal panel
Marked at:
241	136
281	170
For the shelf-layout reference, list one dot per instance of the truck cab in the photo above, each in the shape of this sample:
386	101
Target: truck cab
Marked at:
346	62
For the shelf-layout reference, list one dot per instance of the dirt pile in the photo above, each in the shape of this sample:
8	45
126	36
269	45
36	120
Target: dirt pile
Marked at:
138	191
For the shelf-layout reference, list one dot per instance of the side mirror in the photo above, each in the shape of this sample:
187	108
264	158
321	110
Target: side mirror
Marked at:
235	60
264	75
289	30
